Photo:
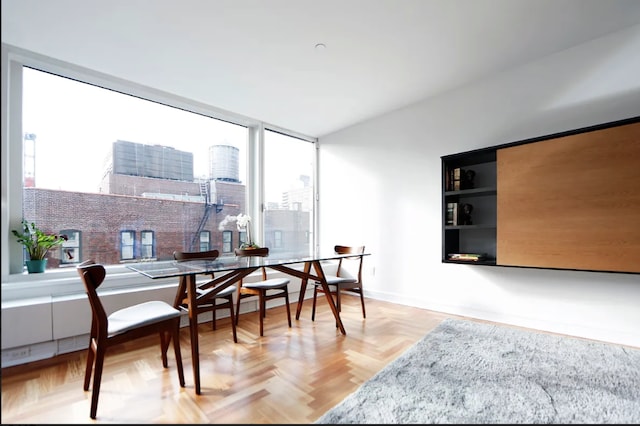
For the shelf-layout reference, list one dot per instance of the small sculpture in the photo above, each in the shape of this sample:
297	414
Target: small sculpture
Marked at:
465	214
467	179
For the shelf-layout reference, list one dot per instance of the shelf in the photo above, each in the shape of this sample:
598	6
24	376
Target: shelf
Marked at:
489	190
488	262
478	226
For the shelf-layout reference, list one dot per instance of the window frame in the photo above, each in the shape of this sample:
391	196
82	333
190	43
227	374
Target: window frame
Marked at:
277	238
227	241
57	282
132	237
143	245
202	241
64	258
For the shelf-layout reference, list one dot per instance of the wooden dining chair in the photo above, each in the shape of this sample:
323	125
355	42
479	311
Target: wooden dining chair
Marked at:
210	298
266	289
348	278
124	325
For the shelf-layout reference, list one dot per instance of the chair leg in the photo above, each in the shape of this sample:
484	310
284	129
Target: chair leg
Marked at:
213	315
177	352
233	319
364	314
238	308
262	303
91	356
97	378
338	304
313	306
286	298
164	346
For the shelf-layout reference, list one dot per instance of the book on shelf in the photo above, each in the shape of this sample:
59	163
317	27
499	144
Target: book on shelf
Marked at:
452	213
457	176
471	257
447	179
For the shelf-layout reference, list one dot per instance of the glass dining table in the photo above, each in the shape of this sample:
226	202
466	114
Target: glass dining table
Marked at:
228	270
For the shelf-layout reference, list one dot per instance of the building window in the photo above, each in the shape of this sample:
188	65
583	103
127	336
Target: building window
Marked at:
147	249
226	241
205	238
127	245
71	247
242	238
277	239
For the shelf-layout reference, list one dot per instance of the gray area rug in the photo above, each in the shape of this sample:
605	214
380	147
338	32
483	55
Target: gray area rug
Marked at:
468	372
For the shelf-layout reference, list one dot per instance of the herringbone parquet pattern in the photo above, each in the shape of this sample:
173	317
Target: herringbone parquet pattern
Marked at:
291	375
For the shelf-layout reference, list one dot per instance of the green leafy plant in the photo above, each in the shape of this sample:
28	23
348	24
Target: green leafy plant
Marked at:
37	242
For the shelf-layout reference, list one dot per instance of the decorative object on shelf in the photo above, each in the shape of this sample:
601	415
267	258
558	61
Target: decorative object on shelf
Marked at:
465	214
458	178
466	179
37	243
243	223
472	257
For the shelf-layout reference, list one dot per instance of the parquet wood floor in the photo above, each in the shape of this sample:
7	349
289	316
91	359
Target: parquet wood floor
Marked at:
291	375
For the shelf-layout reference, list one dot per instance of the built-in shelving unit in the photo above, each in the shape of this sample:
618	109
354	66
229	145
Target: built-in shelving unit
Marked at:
564	201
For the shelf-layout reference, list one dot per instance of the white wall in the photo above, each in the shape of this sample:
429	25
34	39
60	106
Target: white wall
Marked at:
380	186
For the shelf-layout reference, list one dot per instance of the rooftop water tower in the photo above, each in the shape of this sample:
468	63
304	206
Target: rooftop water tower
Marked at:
224	163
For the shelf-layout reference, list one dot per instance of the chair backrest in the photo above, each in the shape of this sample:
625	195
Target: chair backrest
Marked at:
92	275
343	269
190	255
262	251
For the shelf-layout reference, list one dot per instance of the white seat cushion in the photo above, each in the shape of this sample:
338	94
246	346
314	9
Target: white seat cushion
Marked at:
138	315
224	293
268	284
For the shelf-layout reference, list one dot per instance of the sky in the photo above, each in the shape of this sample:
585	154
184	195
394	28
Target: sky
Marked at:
66	159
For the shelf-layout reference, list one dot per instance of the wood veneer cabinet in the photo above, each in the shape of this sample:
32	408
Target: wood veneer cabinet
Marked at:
565	201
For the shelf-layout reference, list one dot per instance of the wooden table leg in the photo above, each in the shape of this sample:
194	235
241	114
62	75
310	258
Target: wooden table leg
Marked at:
303	288
327	293
193	328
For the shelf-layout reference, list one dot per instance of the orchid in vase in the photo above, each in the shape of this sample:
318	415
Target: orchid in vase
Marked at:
243	223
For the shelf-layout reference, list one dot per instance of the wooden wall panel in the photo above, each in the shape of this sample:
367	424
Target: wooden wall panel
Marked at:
571	202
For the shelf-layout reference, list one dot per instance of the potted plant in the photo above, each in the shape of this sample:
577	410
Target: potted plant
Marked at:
37	244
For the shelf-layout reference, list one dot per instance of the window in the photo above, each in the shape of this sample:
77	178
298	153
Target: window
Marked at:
148	161
277	239
205	237
71	247
127	245
242	237
226	241
289	213
146	245
179	171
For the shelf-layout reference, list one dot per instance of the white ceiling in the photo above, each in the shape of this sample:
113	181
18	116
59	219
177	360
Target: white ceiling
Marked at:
257	57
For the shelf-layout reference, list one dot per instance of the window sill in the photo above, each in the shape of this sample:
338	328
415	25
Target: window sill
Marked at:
65	282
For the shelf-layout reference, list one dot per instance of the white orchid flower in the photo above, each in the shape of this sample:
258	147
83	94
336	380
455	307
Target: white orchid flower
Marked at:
243	220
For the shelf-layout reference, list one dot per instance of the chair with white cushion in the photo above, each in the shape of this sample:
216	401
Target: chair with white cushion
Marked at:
348	278
133	322
266	289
